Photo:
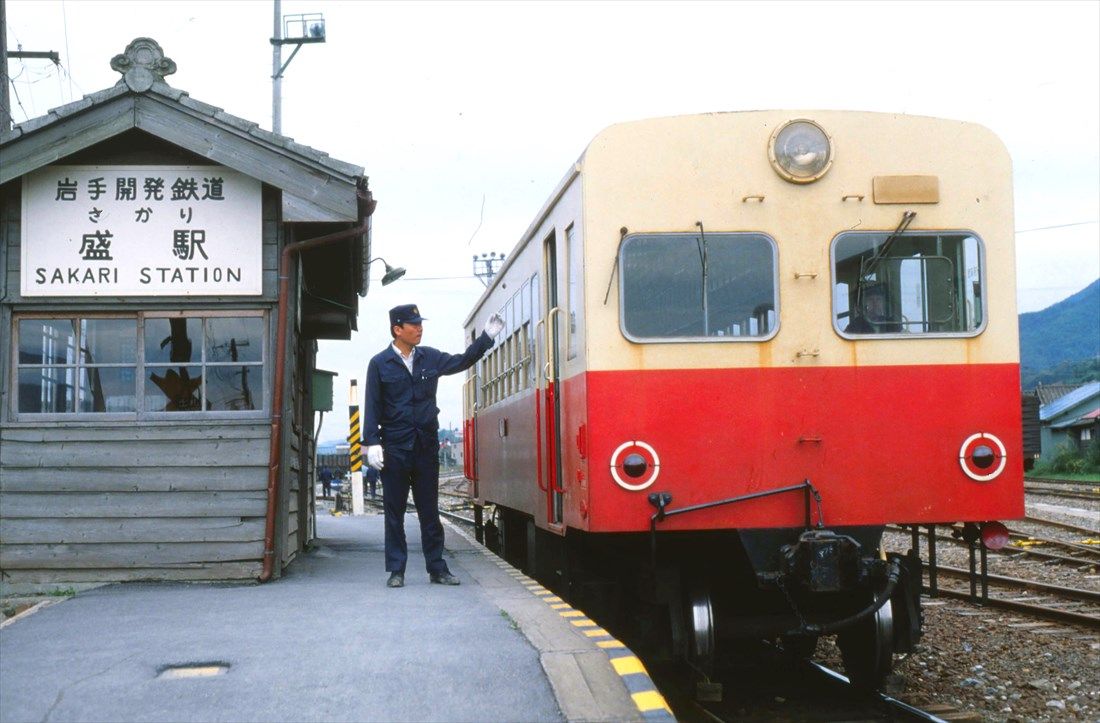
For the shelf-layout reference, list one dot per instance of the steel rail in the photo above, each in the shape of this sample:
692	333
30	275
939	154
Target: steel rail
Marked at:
1062	525
904	709
1067	494
1068	592
459	518
1065	616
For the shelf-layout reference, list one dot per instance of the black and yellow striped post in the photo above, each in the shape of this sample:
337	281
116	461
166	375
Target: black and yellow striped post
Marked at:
355	452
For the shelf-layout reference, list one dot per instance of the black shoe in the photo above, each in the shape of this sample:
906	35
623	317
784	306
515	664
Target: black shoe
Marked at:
397	579
444	578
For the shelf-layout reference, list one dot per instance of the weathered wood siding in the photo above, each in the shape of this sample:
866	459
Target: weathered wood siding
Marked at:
114	501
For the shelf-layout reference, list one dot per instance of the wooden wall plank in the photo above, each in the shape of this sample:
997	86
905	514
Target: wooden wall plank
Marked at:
133	479
205	571
126	555
122	529
151	453
129	432
137	504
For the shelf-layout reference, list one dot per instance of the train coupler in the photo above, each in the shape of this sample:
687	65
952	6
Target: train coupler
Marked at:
823	561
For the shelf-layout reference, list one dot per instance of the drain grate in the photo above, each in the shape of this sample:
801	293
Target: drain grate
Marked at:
193	670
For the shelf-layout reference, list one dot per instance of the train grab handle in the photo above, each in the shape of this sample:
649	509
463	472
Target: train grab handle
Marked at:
661	500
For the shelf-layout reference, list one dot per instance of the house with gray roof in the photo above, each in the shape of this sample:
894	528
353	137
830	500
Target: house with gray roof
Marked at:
1071	420
167	270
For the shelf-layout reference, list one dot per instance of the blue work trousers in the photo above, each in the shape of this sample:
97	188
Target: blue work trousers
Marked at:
419	469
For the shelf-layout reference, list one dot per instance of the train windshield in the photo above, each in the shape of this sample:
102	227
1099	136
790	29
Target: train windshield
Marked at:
703	287
918	282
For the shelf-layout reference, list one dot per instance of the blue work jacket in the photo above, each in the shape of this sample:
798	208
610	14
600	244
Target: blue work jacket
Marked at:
400	406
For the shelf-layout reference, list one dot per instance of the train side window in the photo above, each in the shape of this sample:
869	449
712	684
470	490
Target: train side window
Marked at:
920	282
698	287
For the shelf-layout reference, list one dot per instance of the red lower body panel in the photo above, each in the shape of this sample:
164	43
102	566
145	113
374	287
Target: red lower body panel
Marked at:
881	444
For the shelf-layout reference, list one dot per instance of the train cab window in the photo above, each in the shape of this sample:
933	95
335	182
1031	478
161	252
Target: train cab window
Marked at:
919	282
698	287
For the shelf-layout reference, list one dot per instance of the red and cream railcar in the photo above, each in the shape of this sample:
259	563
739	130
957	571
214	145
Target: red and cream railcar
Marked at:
738	345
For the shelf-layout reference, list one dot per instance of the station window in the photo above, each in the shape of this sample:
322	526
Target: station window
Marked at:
919	282
698	287
142	364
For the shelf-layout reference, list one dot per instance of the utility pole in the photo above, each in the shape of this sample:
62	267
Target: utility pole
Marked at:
276	70
308	28
5	98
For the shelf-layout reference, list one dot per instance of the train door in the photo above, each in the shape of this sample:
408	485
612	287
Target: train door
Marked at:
549	401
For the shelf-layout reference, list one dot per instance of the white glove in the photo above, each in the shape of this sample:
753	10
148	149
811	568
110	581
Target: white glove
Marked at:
494	325
374	456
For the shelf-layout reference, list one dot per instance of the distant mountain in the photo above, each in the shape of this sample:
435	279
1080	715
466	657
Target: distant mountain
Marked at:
1061	343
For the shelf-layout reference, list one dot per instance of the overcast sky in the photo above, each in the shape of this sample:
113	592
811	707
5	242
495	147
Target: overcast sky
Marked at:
466	115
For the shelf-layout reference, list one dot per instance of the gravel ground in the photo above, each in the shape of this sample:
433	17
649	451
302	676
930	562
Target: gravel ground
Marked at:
997	666
993	665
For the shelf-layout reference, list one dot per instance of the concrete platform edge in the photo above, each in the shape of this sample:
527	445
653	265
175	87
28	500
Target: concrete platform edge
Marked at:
594	677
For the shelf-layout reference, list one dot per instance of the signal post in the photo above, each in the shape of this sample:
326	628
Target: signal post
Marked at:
355	454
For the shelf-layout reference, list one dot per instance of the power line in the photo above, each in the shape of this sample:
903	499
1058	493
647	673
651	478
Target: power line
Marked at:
436	278
1061	225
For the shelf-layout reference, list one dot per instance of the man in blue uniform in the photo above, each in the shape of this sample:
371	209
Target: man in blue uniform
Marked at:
401	431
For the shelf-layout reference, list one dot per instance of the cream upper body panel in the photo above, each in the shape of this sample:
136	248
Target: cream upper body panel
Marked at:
666	175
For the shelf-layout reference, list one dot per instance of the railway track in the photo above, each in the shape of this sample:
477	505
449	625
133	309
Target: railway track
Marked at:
1064	491
778	687
1036	599
1029	546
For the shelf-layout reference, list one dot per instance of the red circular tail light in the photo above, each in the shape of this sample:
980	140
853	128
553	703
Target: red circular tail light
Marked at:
982	457
630	464
994	535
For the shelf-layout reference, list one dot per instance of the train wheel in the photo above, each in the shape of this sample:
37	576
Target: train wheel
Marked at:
867	649
701	627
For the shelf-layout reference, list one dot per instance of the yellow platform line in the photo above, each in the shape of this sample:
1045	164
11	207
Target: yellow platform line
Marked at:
648	700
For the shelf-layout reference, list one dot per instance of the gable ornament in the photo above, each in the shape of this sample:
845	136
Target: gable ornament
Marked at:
143	64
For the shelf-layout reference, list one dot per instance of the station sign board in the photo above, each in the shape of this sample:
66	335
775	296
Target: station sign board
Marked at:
141	231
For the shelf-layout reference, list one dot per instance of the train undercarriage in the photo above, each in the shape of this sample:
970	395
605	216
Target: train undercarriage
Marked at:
695	595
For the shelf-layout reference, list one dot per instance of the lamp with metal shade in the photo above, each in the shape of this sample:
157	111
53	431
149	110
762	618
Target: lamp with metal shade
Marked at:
392	274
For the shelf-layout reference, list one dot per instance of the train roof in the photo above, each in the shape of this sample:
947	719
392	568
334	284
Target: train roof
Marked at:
773	115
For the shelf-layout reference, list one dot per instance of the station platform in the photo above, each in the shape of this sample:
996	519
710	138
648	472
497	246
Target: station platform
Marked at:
326	642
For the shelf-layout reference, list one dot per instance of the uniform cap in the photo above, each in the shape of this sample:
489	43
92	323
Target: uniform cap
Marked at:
405	314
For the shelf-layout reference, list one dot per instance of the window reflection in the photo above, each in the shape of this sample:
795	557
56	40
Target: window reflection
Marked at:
108	341
47	341
234	388
173	389
47	390
685	286
170	340
234	339
107	389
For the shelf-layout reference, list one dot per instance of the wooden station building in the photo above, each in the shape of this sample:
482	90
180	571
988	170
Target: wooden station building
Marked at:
166	271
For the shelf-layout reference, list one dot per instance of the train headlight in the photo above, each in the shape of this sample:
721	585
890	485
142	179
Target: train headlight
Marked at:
801	151
635	465
982	456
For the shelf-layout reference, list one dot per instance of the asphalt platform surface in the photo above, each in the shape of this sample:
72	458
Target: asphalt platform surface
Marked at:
326	642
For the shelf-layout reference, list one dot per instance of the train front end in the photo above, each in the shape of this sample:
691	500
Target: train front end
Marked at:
810	332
